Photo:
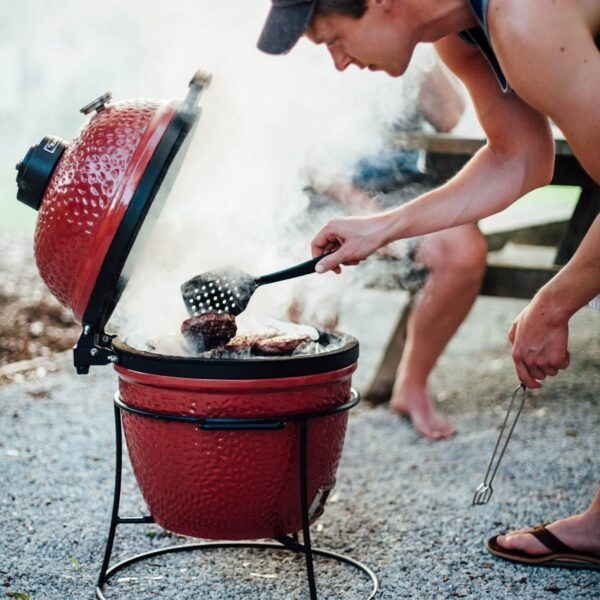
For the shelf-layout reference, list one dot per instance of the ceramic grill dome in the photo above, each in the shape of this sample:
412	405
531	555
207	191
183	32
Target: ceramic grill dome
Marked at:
94	194
89	192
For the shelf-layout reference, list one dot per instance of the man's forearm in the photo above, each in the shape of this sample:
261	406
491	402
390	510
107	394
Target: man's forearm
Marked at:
487	184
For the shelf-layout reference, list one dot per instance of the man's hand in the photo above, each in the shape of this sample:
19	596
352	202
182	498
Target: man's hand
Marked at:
539	343
352	239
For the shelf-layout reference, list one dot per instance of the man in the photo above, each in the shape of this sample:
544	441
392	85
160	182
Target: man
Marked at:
523	62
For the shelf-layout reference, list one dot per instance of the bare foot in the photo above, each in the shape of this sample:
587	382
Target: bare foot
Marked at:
416	404
580	532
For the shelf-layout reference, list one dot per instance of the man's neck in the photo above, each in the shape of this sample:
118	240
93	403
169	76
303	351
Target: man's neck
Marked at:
440	18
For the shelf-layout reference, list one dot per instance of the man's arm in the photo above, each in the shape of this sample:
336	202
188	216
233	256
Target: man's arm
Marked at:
518	157
561	77
540	333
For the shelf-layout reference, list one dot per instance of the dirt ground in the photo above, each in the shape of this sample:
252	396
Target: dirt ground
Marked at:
33	325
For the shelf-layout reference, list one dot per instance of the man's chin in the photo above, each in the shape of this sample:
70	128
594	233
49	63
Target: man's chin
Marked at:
396	72
388	71
391	70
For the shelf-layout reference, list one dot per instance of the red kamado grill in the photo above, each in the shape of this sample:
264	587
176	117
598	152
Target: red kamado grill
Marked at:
225	449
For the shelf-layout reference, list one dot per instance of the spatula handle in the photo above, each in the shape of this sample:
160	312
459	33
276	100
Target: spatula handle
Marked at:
305	268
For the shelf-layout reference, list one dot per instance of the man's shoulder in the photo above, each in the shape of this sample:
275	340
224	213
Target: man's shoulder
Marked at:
528	22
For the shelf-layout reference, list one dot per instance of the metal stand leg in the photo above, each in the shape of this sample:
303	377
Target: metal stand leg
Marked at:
117	498
310	572
115	518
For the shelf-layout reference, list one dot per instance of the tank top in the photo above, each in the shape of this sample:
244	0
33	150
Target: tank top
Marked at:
479	38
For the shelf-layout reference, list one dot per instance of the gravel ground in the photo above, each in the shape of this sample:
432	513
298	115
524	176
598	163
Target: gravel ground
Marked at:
402	504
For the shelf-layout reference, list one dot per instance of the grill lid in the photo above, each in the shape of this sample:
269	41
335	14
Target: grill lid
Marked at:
93	197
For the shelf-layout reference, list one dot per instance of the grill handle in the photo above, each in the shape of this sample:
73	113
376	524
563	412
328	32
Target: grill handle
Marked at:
214	424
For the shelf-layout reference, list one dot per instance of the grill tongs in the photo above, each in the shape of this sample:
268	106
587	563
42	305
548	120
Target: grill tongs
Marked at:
484	492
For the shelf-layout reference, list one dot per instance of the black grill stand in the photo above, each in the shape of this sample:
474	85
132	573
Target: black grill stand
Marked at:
289	543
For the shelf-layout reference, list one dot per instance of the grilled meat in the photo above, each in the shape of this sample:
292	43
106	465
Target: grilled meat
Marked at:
243	343
281	345
266	345
209	330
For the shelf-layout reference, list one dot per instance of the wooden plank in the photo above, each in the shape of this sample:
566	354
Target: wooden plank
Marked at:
452	143
512	281
542	234
441	167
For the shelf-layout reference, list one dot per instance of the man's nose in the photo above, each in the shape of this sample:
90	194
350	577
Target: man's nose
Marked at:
340	59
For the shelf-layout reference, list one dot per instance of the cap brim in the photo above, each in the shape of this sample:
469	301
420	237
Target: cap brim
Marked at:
284	26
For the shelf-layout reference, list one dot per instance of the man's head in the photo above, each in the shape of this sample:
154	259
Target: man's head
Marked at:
289	19
373	34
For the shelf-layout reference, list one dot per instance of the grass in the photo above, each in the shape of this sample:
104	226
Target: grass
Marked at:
564	195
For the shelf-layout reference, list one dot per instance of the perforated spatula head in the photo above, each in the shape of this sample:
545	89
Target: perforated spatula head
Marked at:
228	289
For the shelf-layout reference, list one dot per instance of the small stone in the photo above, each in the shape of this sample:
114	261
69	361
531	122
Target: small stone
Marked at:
36	328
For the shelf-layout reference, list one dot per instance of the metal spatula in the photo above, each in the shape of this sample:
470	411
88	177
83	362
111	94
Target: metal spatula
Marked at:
484	491
229	289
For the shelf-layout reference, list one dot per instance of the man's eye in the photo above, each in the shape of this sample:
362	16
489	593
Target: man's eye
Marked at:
333	42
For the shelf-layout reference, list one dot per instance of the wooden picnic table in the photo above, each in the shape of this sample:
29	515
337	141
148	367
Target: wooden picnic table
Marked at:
445	154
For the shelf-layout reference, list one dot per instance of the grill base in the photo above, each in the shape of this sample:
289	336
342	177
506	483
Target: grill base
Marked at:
286	543
262	545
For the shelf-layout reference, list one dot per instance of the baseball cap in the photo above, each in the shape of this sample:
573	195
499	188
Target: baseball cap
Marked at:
286	22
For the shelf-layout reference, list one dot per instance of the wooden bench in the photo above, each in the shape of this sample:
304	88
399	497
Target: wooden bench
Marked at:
445	154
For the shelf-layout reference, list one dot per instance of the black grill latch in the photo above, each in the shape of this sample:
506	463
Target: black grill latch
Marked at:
93	348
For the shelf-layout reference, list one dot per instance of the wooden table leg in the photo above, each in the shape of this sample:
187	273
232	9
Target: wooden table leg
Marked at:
587	209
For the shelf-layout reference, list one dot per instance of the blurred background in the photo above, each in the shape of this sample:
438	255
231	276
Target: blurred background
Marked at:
56	57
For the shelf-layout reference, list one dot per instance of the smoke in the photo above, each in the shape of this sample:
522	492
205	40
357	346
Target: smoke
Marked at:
270	127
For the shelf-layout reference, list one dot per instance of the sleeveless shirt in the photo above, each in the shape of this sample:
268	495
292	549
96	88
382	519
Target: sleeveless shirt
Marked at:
479	38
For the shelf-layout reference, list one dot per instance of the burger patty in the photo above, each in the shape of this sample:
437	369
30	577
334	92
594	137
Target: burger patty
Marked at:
260	345
209	330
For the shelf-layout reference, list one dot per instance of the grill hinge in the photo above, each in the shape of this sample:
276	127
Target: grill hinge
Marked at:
93	348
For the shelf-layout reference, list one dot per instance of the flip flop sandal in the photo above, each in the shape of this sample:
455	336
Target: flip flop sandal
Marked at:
561	555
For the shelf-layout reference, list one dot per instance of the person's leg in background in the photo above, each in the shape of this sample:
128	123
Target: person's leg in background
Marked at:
456	259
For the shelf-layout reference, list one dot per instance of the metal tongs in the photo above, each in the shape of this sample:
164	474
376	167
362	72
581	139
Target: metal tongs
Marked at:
484	492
